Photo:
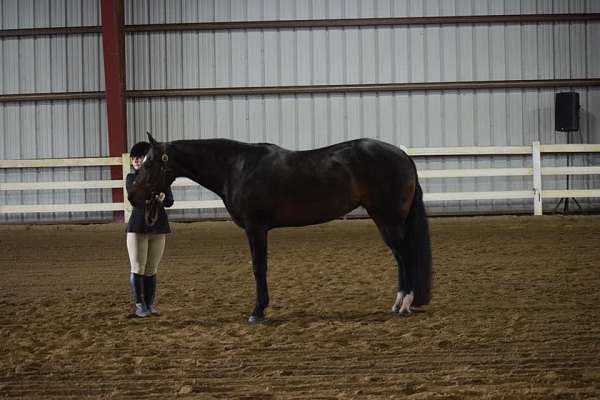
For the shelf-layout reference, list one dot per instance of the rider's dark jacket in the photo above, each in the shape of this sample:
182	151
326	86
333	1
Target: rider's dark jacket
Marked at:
137	222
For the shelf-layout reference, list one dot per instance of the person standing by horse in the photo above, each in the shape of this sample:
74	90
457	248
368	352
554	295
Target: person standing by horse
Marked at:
147	229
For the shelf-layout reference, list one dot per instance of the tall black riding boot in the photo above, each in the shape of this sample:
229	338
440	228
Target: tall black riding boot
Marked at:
137	287
150	294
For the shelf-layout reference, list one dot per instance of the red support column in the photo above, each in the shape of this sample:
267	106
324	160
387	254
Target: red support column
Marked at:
113	42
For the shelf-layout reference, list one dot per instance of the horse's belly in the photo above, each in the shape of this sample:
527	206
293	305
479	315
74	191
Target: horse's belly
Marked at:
310	210
300	218
305	196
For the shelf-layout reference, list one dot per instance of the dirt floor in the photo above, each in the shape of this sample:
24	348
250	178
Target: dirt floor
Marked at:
515	314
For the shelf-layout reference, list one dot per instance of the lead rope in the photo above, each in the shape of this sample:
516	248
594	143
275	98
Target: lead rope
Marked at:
152	211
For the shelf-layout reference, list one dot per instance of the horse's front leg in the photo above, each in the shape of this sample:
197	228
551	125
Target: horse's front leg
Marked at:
257	238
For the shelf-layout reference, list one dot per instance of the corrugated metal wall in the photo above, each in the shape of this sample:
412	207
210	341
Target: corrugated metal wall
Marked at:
271	57
52	129
352	55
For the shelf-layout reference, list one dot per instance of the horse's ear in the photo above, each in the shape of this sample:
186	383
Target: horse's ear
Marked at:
153	142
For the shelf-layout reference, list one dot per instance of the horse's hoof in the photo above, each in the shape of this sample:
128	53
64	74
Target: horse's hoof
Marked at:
405	312
254	319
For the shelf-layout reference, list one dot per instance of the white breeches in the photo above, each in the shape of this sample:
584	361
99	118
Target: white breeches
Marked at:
145	251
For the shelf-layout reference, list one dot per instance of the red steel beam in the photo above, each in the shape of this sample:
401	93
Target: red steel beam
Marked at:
113	42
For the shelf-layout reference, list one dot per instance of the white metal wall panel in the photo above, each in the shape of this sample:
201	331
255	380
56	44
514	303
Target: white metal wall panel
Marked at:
55	129
358	55
52	129
43	64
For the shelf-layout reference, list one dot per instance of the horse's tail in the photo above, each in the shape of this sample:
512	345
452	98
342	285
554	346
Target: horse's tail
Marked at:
418	249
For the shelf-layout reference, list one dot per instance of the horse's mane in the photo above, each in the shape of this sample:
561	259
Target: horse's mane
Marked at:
222	144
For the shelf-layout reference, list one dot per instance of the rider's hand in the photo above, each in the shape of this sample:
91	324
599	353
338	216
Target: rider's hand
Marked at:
160	197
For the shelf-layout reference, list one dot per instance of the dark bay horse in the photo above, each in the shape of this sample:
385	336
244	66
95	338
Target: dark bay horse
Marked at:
265	186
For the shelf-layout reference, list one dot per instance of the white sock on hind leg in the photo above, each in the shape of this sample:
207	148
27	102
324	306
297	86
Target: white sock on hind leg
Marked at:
408	299
399	298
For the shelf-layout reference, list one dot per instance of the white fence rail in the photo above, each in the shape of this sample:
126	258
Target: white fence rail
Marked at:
61	163
536	151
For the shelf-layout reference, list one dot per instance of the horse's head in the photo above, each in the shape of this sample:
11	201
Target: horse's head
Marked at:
153	177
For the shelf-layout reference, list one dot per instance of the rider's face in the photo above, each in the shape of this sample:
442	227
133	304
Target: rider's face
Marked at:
137	162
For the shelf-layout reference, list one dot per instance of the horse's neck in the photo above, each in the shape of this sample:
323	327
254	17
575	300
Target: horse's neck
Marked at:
207	162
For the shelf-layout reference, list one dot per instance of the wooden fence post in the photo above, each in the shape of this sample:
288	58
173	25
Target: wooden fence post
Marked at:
126	169
537	178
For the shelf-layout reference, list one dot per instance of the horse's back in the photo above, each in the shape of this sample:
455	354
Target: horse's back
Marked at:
365	148
312	186
374	161
359	159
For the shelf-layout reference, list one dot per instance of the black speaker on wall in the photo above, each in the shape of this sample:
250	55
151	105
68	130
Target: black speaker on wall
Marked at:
566	112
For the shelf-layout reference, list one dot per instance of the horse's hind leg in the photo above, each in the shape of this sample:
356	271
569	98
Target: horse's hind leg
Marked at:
393	235
405	295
